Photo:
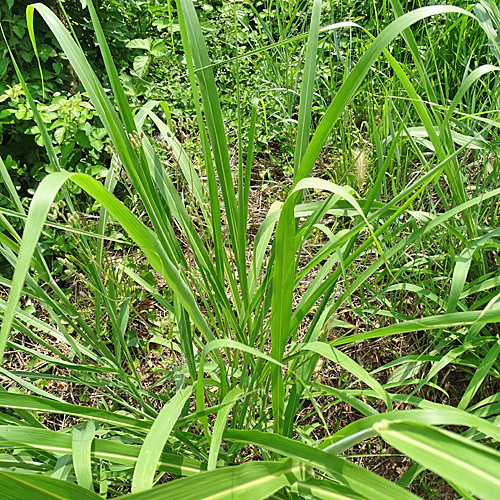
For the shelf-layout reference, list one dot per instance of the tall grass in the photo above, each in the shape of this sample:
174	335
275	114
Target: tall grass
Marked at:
249	336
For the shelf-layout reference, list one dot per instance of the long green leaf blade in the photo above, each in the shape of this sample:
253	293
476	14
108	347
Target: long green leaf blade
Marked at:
471	466
250	481
151	449
82	447
16	486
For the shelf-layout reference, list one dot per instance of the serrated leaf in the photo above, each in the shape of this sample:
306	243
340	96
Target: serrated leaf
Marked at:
141	65
158	48
140	43
59	134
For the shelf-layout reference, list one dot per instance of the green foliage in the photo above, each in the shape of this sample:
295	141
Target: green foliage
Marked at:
15	29
153	49
79	141
240	389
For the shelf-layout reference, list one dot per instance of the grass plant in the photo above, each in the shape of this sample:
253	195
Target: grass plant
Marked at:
248	336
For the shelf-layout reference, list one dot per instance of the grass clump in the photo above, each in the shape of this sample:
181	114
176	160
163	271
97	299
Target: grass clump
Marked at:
237	393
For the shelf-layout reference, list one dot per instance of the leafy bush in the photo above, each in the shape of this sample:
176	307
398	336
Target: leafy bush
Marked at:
71	123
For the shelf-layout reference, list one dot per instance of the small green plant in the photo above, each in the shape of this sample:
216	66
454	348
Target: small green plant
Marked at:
70	120
153	48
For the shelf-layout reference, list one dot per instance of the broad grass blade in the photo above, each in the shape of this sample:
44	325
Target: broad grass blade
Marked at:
151	449
25	402
469	465
15	486
220	424
346	473
363	429
251	481
102	449
82	446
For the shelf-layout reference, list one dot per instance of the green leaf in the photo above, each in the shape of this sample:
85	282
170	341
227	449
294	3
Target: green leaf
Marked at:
141	234
158	48
488	315
140	43
152	447
471	466
30	486
356	76
59	134
351	366
360	480
111	451
250	481
82	139
487	13
480	374
220	424
18	29
432	413
307	87
462	268
23	401
141	65
82	446
328	490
